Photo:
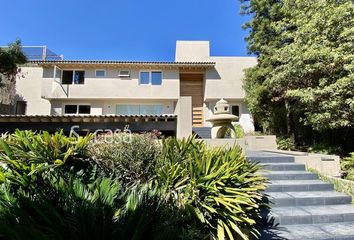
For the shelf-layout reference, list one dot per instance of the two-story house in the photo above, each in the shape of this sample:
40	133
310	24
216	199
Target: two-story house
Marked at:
176	97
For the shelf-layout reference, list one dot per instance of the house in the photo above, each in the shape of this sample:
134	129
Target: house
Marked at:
174	97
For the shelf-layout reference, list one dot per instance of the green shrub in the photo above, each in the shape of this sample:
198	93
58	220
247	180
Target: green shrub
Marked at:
131	159
347	165
324	149
27	155
284	143
219	186
57	187
239	131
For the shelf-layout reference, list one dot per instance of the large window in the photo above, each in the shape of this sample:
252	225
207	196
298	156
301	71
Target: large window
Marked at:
73	77
152	78
77	109
139	110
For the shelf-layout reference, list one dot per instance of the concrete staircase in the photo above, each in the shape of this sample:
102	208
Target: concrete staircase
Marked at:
202	132
303	207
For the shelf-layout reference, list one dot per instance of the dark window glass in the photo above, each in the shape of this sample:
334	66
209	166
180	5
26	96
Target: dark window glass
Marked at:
79	77
84	109
156	78
144	78
235	110
67	77
21	107
70	109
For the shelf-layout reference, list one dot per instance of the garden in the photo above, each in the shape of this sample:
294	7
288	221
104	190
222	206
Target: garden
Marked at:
59	187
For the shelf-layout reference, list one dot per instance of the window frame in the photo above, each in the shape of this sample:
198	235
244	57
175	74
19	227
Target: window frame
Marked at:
239	109
73	77
125	76
150	77
139	105
77	109
104	73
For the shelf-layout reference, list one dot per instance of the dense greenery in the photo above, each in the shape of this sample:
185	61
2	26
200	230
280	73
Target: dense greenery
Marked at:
58	187
10	58
303	85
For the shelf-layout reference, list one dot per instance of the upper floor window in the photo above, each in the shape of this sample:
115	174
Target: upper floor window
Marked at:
152	78
100	73
124	74
73	77
77	109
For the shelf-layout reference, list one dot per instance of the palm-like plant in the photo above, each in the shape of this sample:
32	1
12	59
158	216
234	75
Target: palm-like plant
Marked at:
219	186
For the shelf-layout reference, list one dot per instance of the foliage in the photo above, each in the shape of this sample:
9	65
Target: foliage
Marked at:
218	185
347	165
284	143
52	189
27	155
304	77
324	149
239	131
128	157
10	58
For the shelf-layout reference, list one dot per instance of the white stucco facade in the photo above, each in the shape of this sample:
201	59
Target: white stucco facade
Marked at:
43	90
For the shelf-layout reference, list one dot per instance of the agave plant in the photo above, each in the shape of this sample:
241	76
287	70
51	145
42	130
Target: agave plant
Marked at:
219	186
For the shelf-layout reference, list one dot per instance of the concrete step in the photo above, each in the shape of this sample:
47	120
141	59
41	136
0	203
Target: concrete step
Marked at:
314	198
327	231
271	159
289	175
283	166
312	214
298	186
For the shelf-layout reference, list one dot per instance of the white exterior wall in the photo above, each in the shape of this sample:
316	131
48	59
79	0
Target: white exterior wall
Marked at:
108	107
29	89
111	86
225	81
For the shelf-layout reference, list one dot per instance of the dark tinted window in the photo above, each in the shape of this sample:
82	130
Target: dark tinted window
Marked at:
84	109
70	109
67	77
235	110
79	77
21	107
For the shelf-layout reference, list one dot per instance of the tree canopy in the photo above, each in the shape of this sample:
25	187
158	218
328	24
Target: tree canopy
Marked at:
305	71
10	58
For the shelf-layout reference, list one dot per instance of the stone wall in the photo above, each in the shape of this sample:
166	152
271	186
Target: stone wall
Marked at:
6	109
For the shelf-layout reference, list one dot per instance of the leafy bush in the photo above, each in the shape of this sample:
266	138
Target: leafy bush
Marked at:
56	188
324	149
284	143
219	186
238	131
128	157
347	165
26	153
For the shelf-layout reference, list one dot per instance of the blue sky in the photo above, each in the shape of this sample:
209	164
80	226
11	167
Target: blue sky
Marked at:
123	29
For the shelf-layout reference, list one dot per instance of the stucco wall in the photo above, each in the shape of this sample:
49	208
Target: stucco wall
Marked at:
29	89
107	107
225	81
111	86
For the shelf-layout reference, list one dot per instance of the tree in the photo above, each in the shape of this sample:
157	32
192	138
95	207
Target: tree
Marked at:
305	74
10	58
